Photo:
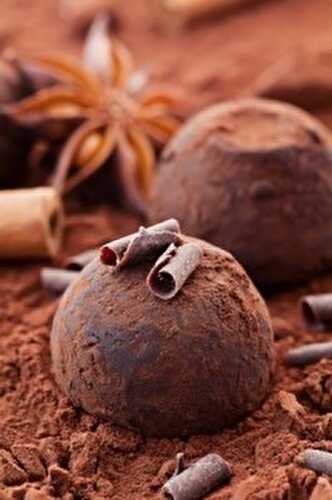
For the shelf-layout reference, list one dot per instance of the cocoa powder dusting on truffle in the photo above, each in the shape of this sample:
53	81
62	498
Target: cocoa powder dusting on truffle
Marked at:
121	353
50	450
232	187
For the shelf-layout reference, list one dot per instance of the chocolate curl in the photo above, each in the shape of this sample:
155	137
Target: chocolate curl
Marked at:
198	479
172	270
317	460
57	280
77	262
134	247
310	353
317	310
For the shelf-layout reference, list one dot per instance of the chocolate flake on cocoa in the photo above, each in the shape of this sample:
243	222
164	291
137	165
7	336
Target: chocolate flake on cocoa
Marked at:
77	262
198	479
317	310
57	280
317	460
308	354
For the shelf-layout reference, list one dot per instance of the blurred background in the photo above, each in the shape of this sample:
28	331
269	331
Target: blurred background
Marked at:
208	50
242	47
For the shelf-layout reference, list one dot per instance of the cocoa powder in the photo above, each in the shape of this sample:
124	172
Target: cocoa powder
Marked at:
50	448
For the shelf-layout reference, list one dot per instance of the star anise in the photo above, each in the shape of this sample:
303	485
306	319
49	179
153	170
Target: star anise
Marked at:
108	109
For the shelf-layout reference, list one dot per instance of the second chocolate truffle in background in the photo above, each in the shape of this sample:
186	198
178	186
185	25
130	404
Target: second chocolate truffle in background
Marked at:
254	177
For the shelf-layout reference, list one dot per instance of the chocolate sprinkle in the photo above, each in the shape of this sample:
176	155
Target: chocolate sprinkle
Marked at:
198	479
317	460
317	310
172	270
77	262
146	242
310	353
57	280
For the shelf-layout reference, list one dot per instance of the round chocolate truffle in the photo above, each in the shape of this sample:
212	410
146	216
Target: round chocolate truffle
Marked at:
192	364
253	176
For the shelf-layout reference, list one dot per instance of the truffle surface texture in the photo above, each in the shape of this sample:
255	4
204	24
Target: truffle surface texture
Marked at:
253	176
193	364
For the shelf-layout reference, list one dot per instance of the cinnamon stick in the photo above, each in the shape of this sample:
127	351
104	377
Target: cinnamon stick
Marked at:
134	247
172	270
57	280
31	223
317	310
199	479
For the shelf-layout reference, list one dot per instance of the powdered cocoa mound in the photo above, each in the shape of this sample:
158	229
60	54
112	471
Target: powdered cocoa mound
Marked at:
49	449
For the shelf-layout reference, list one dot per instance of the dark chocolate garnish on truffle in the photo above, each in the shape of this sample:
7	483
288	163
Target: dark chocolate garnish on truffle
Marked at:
317	310
147	242
172	269
308	354
198	479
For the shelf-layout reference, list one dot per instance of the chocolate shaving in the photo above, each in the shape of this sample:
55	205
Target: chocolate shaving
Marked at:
57	280
317	460
317	310
77	262
310	353
198	479
172	270
146	242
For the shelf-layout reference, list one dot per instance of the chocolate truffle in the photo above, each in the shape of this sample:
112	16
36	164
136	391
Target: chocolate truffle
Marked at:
192	364
253	176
